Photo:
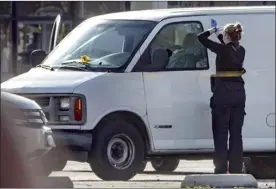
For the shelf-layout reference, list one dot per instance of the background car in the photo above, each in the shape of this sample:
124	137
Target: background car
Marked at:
24	120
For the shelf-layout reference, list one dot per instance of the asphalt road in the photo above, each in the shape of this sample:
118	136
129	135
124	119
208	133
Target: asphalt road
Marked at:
83	177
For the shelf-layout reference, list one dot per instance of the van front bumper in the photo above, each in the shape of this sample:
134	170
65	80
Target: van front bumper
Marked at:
74	143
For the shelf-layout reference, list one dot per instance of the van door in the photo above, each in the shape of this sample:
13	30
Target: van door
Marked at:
55	33
177	87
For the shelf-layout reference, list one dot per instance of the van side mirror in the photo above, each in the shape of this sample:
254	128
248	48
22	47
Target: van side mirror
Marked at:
37	56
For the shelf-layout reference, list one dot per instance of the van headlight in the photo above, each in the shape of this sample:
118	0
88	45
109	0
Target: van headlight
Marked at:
64	103
70	109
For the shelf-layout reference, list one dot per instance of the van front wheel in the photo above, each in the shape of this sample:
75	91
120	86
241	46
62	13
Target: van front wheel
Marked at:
117	152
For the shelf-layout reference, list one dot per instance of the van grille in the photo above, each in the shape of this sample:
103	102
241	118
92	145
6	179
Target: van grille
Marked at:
42	101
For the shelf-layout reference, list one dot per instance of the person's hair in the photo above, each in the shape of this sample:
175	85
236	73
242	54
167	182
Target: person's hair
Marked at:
234	31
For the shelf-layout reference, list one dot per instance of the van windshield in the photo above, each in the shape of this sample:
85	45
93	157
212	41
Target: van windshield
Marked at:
106	44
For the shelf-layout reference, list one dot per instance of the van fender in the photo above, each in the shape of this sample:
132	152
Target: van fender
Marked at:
125	110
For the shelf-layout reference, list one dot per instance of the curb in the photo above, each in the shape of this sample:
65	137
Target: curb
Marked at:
219	181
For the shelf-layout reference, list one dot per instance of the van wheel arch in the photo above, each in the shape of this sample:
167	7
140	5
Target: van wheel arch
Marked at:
129	117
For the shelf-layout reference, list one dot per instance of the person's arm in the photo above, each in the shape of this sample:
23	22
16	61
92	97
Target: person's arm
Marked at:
213	46
243	53
243	56
220	38
219	35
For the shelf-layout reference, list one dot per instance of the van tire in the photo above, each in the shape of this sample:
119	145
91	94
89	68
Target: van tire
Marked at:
121	140
165	164
260	167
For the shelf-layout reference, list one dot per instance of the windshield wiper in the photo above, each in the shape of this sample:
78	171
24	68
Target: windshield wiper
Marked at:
70	65
75	62
84	66
45	67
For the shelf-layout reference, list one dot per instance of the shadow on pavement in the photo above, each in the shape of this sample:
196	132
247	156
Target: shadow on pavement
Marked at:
152	180
173	173
78	171
148	180
148	172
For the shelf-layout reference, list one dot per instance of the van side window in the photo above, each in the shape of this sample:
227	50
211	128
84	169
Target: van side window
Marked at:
176	47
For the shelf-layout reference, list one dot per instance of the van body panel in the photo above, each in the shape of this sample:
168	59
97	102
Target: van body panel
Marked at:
113	92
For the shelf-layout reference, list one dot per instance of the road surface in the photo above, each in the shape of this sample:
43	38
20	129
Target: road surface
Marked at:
83	177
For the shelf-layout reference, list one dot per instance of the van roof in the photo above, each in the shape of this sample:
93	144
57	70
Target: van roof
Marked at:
160	14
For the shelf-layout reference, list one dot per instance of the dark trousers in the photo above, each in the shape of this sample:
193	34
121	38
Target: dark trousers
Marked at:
228	104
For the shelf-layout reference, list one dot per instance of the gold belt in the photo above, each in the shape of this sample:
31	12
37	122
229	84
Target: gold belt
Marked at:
228	74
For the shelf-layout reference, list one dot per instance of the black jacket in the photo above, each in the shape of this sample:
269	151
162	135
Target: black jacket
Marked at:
230	56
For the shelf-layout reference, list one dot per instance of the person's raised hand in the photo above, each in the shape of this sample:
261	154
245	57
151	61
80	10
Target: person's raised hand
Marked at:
219	30
212	30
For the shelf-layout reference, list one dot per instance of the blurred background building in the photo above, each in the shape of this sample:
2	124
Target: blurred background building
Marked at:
27	25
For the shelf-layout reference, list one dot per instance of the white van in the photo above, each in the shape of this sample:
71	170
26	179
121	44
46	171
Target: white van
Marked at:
132	102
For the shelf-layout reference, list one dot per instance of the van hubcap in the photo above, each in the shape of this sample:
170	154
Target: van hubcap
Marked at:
120	151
